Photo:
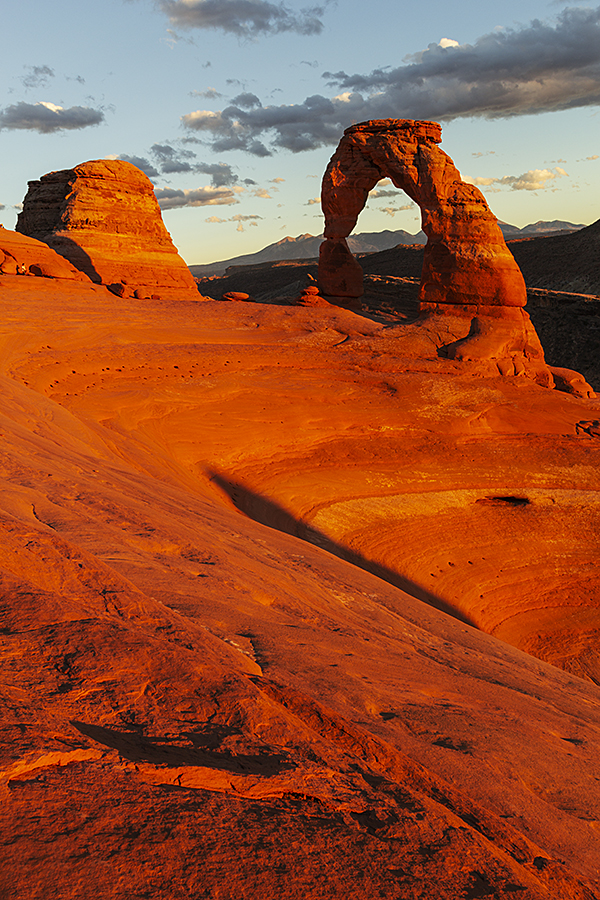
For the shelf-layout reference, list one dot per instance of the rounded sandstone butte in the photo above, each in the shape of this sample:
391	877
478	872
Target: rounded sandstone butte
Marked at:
104	218
466	258
21	255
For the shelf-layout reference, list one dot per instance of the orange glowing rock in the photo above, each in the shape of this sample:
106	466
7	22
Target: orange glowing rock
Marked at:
21	255
468	272
104	218
466	258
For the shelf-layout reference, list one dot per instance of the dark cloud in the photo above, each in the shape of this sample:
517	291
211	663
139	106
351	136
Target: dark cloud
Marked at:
536	68
46	117
172	161
379	195
169	198
508	72
37	76
221	175
246	100
169	160
2	206
142	163
244	18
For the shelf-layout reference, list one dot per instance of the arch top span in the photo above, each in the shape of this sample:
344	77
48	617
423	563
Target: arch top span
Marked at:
466	261
427	131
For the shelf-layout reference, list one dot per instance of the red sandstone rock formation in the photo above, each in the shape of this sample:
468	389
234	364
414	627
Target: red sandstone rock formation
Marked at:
21	255
103	216
468	272
195	703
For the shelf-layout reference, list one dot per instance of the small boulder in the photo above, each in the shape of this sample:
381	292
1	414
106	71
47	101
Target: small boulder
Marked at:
237	297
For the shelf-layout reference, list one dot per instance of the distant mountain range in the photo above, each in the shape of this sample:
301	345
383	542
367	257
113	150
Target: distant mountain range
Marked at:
306	246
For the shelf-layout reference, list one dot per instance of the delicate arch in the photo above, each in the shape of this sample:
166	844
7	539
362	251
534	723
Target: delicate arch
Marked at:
466	259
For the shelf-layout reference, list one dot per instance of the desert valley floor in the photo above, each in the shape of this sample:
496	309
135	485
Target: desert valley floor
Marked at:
287	613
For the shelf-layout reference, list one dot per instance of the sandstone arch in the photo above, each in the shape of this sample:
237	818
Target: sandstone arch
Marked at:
466	259
469	276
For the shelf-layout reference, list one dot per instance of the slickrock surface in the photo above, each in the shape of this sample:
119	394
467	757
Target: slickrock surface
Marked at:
21	255
567	323
267	581
104	218
469	278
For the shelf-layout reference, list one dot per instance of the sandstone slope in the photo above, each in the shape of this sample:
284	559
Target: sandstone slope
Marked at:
21	255
248	553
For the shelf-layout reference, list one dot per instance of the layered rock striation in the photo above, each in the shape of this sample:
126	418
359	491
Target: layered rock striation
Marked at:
469	276
104	218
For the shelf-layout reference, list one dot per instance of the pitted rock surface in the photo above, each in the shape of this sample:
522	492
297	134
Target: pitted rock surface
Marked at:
104	218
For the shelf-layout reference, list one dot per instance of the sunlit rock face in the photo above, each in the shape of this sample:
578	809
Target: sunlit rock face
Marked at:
469	276
22	255
104	218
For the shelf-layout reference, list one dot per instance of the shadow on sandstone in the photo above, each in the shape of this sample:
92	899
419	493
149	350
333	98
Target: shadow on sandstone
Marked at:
200	748
268	513
76	256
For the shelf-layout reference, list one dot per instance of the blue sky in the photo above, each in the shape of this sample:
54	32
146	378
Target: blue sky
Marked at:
234	107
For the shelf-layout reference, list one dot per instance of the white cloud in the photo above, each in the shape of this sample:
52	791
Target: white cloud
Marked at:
209	94
392	210
240	218
533	180
375	193
169	198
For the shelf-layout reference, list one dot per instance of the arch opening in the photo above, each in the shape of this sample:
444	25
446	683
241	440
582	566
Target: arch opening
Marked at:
466	261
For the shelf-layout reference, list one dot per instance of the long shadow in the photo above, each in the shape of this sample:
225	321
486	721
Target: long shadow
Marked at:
265	511
195	748
77	257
